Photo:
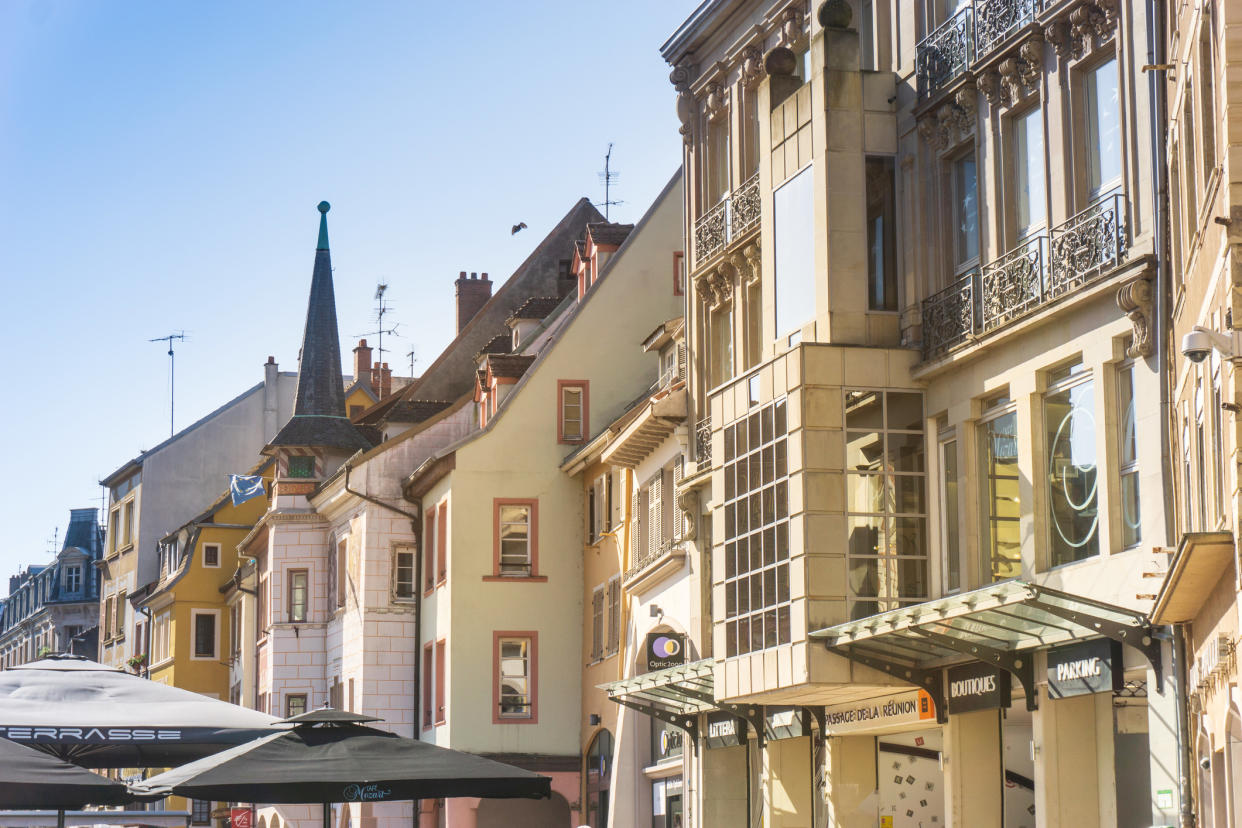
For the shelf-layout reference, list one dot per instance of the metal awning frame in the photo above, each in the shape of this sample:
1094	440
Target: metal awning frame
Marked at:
998	625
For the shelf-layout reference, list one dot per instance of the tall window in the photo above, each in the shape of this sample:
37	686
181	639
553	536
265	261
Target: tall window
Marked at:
599	779
881	231
1200	460
514	685
516	543
965	212
1131	523
998	451
1103	134
342	570
572	419
1187	499
1028	173
599	507
756	497
1069	422
403	573
720	347
298	594
613	611
204	626
442	543
235	622
793	231
429	546
118	622
1207	88
441	677
886	507
717	161
950	530
129	523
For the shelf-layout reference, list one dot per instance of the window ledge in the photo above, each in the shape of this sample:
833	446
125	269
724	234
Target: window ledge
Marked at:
539	579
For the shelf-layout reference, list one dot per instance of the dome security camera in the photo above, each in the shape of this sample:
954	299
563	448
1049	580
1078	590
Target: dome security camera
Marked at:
1199	342
1196	346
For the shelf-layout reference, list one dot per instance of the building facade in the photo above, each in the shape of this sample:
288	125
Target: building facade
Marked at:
53	607
921	279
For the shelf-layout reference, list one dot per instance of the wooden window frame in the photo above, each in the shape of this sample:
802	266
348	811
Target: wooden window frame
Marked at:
532	677
218	549
679	271
440	711
342	573
532	540
428	714
195	614
412	594
442	543
584	388
289	697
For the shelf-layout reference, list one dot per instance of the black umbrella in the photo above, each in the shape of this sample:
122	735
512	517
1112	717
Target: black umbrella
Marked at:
31	779
328	756
98	717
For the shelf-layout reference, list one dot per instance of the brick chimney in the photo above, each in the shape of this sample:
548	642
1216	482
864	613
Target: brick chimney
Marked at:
472	294
381	379
362	362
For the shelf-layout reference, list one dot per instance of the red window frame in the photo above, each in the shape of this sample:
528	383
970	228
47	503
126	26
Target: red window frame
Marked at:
441	715
679	273
533	540
429	562
533	676
442	543
428	661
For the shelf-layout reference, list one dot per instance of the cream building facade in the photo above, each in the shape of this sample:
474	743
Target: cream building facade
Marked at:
921	288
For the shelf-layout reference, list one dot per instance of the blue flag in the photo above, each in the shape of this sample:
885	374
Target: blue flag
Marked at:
245	487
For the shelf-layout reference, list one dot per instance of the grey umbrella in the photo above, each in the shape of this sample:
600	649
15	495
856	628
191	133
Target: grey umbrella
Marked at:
97	717
31	779
330	756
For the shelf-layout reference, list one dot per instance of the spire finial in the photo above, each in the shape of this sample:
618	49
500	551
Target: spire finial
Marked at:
324	207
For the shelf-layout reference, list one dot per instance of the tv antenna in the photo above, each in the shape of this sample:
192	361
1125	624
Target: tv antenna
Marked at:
171	372
410	354
608	178
381	308
55	540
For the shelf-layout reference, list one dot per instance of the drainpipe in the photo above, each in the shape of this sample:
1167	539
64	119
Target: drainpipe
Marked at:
146	662
415	525
1158	113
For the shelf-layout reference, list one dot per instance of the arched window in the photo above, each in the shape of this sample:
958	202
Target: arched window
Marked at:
598	779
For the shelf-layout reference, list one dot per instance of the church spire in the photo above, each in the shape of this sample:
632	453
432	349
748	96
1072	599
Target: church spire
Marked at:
319	406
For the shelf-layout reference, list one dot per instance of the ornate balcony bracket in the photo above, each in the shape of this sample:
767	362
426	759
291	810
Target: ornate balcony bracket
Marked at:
1134	297
687	107
951	122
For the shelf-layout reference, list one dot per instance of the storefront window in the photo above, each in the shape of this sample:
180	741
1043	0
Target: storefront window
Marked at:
598	779
756	531
998	450
1073	507
886	507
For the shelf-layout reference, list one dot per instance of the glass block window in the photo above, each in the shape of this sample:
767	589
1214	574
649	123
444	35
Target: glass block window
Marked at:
756	503
886	517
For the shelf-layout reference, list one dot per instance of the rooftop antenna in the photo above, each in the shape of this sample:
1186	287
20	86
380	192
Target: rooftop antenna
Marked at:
55	539
171	373
411	356
382	308
608	177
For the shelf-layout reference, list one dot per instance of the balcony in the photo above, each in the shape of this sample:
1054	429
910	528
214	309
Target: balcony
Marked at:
651	566
1040	270
711	233
945	53
996	20
745	208
703	442
736	215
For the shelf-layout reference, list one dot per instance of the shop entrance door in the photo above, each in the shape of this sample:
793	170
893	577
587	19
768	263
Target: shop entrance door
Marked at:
911	779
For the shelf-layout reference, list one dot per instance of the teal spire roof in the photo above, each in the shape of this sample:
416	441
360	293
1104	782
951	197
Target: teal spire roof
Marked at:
324	207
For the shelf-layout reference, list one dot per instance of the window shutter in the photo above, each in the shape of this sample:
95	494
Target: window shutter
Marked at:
635	527
441	655
597	624
592	500
681	360
614	615
679	521
429	560
608	521
655	513
442	542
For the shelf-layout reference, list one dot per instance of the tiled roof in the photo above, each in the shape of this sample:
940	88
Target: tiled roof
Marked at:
415	411
603	232
498	344
509	365
536	307
318	431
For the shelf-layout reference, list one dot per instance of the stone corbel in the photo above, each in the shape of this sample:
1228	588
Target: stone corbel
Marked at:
716	101
752	253
741	266
688	505
931	132
751	63
1134	297
722	280
790	26
989	83
1032	63
687	108
1058	34
1090	21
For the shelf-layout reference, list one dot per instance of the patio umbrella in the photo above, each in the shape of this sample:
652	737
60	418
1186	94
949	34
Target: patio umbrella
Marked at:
330	756
97	717
31	779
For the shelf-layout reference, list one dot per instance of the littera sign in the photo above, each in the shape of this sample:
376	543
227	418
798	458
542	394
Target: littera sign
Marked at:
723	730
1087	667
977	686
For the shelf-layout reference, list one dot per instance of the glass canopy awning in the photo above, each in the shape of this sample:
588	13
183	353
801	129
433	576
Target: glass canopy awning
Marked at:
997	624
677	695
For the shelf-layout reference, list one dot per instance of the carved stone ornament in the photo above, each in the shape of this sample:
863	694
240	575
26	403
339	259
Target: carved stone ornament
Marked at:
687	108
716	101
932	134
1091	21
790	26
1020	74
989	83
1134	297
721	280
1058	34
835	14
752	253
688	505
751	63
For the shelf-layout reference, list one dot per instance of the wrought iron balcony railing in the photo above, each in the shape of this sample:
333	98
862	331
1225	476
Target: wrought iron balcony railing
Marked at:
711	232
1042	268
703	441
646	557
945	53
745	206
996	20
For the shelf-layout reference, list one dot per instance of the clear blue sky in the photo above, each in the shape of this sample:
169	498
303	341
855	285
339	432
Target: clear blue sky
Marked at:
160	165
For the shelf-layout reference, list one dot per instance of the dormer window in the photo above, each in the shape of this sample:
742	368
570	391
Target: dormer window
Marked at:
73	578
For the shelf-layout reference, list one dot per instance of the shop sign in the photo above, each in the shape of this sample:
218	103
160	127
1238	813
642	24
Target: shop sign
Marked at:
724	730
241	817
669	743
976	686
785	723
665	650
1086	667
912	708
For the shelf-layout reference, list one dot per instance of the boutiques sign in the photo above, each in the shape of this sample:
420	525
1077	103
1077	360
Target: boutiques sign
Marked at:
912	708
1086	667
977	686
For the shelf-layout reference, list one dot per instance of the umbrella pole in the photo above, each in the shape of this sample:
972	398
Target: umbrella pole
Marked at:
327	815
60	818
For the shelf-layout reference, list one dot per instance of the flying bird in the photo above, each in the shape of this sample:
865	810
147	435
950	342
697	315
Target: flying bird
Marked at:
521	225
